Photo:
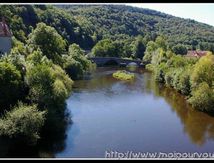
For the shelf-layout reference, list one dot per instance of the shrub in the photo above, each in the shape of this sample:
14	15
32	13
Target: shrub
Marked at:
202	98
49	41
180	49
203	71
123	75
169	78
150	67
159	72
60	74
45	81
11	84
105	48
176	78
73	68
184	83
22	122
40	80
59	90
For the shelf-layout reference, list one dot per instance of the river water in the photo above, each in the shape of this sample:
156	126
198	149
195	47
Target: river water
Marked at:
112	115
139	116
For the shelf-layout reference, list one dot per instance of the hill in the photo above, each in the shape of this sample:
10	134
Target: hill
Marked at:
113	20
87	24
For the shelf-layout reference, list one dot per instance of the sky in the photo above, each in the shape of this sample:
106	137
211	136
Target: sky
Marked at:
200	12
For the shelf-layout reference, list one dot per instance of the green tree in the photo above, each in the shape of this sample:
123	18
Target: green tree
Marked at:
76	63
139	47
150	49
23	122
203	71
202	97
73	68
161	42
105	48
180	49
75	50
45	82
184	81
11	84
49	41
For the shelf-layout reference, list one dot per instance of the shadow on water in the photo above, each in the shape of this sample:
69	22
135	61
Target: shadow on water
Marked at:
198	125
52	140
61	137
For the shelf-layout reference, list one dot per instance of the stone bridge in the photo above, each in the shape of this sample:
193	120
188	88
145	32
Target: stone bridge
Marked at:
105	61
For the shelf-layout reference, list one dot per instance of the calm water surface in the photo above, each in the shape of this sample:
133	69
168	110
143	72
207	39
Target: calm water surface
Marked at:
139	116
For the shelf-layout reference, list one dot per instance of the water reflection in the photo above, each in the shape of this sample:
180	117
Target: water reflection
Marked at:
198	125
53	140
141	116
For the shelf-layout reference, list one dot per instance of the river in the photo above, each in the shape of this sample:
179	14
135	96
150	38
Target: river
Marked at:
138	116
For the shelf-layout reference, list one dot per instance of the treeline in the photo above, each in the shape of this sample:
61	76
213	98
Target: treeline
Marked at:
36	79
86	25
120	21
192	77
22	19
132	48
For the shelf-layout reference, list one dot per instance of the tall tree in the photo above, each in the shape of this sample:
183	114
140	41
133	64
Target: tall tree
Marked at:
139	47
49	41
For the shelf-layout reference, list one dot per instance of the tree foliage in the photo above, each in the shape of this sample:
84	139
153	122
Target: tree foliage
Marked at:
23	122
49	41
11	81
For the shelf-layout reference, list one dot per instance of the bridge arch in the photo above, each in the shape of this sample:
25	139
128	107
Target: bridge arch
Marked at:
111	62
105	61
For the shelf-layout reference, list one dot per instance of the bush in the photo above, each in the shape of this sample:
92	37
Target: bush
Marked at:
169	78
40	81
49	41
60	74
11	85
60	92
159	72
73	68
105	48
203	71
76	53
184	83
45	81
124	75
180	49
176	78
76	63
150	67
22	122
203	98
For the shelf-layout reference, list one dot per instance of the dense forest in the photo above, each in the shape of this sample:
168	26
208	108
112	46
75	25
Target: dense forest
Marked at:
122	22
86	25
49	53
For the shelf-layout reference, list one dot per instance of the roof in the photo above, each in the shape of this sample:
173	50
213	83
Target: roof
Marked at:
195	53
4	30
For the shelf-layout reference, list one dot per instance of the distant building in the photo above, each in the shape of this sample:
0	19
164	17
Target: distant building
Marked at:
5	38
195	53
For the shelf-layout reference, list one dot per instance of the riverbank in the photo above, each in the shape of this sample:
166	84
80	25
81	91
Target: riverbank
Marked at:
190	77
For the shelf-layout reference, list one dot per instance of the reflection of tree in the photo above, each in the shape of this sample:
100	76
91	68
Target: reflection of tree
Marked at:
151	86
4	147
52	139
54	134
198	125
96	83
